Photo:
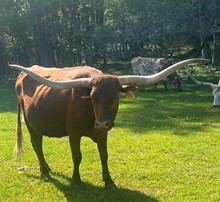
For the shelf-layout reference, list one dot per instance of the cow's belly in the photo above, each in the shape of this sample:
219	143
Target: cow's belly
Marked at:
46	123
46	116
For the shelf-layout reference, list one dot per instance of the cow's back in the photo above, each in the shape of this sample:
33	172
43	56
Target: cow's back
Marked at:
148	66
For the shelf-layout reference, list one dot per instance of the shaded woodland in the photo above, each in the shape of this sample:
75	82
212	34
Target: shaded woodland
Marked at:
101	32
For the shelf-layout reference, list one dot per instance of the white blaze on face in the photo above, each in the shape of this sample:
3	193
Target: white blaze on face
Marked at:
216	94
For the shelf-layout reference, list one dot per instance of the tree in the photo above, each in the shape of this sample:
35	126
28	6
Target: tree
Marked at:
209	17
95	32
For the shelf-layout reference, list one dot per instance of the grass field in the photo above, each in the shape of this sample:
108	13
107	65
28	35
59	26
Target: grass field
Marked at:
165	147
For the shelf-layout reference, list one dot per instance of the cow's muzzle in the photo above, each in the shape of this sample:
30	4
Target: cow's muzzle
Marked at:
106	124
216	102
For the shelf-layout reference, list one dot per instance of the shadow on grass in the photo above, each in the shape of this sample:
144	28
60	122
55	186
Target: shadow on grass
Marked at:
182	113
88	192
154	110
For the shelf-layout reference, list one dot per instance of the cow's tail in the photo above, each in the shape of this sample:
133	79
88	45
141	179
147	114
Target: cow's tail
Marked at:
18	147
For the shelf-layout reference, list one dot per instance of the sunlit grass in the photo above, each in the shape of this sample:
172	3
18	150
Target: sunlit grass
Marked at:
164	147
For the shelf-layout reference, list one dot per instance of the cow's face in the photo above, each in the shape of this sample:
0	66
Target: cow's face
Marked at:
105	99
216	94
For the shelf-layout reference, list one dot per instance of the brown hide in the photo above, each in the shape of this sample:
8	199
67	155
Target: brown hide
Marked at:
75	112
51	111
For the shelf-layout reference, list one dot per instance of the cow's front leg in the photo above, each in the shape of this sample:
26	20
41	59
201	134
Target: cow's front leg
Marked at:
165	85
77	157
102	147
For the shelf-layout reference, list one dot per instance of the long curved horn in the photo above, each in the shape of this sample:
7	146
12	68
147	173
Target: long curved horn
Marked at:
200	82
54	84
151	79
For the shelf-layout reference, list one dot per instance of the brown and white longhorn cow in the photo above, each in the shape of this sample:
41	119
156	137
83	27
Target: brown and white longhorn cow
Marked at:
147	66
74	102
215	90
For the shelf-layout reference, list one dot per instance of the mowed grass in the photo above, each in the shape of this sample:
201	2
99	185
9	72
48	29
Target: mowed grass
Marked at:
165	147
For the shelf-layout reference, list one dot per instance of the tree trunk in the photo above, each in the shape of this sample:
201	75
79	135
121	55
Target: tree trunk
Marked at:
42	36
216	50
206	51
134	50
44	45
2	57
104	58
89	56
79	56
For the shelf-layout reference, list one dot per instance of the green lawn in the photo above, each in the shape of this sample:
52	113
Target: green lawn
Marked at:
165	147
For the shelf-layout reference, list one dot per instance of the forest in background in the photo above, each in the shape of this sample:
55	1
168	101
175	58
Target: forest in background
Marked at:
99	32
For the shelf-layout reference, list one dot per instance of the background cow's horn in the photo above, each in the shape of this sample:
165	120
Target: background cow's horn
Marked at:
54	84
200	82
151	79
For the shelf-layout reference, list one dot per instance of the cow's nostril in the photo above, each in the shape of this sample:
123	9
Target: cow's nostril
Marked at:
107	123
96	124
103	124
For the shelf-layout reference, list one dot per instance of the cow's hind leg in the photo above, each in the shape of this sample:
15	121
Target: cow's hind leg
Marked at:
77	157
36	140
165	85
155	85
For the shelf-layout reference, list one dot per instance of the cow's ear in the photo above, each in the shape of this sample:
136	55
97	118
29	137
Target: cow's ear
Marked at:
129	90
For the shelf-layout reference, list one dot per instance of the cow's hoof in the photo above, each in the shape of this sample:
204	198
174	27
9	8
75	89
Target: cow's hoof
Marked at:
45	176
48	167
76	186
76	183
110	185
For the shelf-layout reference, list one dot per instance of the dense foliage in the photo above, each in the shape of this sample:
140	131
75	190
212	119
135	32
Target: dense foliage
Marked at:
73	32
